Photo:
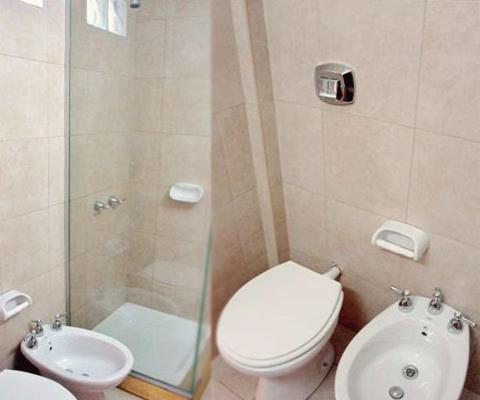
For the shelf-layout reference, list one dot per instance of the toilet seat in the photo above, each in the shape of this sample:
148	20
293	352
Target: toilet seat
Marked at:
23	386
278	316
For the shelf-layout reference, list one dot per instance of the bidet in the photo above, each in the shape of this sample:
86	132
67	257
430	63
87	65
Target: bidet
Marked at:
81	360
414	355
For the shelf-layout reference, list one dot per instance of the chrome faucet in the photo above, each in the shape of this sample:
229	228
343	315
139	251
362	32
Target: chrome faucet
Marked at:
405	304
99	206
435	305
30	339
57	321
456	323
115	201
37	327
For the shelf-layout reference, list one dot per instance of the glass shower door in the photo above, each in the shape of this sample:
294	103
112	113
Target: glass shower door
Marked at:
139	123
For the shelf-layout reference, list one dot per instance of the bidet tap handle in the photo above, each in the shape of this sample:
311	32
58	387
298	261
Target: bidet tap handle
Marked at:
405	304
57	321
461	317
30	340
401	292
435	306
37	327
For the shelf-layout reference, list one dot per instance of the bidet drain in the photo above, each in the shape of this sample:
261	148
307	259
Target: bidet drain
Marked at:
396	392
410	372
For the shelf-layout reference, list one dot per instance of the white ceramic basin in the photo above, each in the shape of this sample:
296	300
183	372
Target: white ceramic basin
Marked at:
81	360
375	361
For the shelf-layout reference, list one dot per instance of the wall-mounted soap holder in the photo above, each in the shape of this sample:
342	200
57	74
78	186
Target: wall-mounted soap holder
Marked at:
403	239
186	192
11	303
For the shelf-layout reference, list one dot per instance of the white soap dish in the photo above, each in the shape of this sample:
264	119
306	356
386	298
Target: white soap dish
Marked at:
403	239
186	192
12	302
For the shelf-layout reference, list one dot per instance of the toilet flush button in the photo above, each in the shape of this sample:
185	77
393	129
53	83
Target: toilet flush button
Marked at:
329	88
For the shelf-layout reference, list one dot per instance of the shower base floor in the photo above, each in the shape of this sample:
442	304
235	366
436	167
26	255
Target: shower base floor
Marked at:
163	345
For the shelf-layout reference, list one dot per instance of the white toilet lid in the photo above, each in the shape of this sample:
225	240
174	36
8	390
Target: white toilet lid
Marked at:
278	312
17	385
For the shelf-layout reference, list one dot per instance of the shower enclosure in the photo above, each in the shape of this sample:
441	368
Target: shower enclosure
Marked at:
139	83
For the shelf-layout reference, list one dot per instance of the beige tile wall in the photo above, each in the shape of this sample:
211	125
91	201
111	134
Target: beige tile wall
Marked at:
407	149
32	155
103	117
171	143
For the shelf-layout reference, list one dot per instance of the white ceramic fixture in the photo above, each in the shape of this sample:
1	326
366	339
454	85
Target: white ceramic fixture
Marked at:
164	344
405	355
13	302
23	386
278	327
186	192
81	360
403	239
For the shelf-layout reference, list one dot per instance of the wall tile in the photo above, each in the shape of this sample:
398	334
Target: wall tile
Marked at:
56	170
185	109
249	224
349	243
185	159
188	47
271	142
301	146
444	192
232	126
306	230
228	88
368	163
143	210
149	102
24	246
292	33
55	100
25	162
384	52
56	234
23	30
150	46
449	83
188	8
23	90
181	220
56	31
152	9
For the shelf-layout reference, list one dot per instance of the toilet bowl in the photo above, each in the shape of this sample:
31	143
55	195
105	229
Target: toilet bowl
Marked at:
278	327
16	385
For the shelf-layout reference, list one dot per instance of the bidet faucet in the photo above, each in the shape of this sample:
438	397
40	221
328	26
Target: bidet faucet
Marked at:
30	339
37	327
57	321
456	323
405	304
435	305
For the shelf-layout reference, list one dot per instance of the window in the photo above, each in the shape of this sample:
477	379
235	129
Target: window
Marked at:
109	15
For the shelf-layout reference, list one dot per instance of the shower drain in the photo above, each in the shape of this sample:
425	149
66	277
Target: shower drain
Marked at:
396	392
410	372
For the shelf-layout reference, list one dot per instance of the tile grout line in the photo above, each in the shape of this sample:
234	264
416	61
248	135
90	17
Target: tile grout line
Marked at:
414	137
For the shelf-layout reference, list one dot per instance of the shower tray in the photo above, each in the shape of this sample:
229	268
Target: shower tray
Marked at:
163	345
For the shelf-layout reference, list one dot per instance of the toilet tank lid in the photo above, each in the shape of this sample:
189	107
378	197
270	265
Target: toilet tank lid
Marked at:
24	386
278	312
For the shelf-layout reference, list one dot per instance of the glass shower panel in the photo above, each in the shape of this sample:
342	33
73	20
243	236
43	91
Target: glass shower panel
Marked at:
140	122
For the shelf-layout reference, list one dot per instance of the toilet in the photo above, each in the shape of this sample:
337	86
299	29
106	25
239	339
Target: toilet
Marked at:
278	327
17	385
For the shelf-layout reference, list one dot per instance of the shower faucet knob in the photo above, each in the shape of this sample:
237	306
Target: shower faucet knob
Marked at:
100	206
115	201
